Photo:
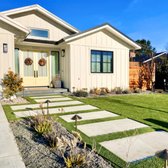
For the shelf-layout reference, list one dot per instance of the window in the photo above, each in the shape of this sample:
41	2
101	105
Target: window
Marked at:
17	60
39	33
55	69
101	61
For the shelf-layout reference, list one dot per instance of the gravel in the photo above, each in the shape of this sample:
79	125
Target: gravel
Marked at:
36	153
18	100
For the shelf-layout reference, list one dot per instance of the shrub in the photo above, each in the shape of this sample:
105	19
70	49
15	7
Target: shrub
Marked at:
52	139
126	91
76	157
107	90
81	93
77	135
103	91
41	124
118	90
12	83
137	90
77	160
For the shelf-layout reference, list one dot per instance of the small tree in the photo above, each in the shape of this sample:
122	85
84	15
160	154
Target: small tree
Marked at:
12	84
147	69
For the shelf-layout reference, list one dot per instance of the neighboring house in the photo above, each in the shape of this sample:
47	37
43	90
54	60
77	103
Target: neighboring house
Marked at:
95	58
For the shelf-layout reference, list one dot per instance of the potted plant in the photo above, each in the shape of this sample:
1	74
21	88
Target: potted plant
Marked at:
57	81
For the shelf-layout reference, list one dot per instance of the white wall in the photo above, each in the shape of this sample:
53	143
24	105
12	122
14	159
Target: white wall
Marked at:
80	51
65	66
6	59
37	20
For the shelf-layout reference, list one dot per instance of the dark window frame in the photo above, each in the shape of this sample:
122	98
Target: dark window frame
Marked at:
101	61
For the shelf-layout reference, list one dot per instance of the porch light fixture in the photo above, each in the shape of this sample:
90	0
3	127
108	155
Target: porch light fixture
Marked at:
5	48
63	53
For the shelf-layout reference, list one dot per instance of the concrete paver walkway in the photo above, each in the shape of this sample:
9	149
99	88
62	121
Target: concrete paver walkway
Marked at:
46	97
107	127
90	116
9	153
53	99
66	103
55	110
138	147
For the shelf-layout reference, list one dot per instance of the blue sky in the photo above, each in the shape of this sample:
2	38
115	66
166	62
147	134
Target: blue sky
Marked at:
136	18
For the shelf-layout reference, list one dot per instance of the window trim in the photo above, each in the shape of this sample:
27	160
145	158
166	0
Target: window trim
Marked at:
101	62
38	37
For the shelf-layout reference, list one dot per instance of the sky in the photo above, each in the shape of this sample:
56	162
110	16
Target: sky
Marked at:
138	19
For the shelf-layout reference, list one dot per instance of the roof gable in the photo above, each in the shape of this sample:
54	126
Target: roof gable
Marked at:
14	24
40	9
106	26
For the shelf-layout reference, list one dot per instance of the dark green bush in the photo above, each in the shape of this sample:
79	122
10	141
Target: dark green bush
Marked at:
126	91
80	93
118	90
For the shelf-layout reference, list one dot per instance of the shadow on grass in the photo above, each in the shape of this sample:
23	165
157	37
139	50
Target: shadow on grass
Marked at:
158	122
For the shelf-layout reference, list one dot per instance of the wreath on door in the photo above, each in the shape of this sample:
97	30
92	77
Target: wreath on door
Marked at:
28	61
42	62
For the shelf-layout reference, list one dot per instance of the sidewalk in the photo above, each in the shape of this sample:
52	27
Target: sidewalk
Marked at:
9	152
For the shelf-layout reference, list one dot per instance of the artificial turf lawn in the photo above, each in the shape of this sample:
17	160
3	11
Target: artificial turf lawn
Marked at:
151	109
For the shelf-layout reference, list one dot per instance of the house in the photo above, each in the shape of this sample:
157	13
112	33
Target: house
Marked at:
38	46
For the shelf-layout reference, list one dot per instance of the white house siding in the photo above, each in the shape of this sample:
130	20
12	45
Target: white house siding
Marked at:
6	59
65	67
80	52
37	20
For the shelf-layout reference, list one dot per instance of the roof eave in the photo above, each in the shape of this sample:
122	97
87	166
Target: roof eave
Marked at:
43	11
125	38
14	24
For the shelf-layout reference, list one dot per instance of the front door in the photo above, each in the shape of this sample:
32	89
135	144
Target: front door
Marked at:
35	68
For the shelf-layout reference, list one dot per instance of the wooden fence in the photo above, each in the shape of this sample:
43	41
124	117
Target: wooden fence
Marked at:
134	73
139	76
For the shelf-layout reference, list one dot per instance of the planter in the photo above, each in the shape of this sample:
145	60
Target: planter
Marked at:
57	83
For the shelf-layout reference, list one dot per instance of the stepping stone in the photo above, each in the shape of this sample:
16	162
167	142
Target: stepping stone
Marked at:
53	99
89	116
108	127
56	110
138	147
41	97
66	103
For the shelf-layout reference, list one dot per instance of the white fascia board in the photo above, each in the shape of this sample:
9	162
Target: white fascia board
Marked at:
43	11
14	24
109	28
82	34
150	59
124	38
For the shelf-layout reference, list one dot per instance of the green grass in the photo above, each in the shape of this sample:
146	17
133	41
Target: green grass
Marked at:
150	109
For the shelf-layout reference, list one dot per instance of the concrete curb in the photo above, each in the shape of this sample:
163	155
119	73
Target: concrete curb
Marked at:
9	153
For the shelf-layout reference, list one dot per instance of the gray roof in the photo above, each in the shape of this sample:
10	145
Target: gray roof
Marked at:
99	26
